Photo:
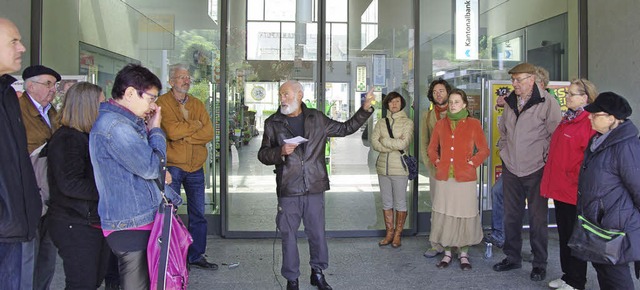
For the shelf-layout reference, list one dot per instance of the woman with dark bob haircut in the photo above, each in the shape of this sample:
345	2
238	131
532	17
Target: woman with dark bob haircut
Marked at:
73	219
392	174
128	149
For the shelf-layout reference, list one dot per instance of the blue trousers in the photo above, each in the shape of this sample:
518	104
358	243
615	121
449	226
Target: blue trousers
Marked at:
38	260
193	183
497	211
310	209
10	265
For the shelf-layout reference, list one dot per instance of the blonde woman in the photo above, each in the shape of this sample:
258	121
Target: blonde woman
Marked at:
560	177
72	218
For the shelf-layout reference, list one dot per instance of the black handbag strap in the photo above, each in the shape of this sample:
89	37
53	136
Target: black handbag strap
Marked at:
391	132
165	239
162	168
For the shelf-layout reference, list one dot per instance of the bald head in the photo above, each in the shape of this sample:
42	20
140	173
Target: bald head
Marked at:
11	48
291	93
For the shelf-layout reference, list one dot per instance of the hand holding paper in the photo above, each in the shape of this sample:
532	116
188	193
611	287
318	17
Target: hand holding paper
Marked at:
295	140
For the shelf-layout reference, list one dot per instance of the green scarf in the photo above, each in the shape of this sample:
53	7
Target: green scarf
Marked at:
458	116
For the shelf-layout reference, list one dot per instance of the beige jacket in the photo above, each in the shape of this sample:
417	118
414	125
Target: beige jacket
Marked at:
427	123
525	136
389	162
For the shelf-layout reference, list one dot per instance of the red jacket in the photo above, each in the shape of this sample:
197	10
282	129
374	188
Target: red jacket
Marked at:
458	146
566	151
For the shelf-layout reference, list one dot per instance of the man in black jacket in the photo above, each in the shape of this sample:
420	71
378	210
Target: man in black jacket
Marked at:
21	206
301	175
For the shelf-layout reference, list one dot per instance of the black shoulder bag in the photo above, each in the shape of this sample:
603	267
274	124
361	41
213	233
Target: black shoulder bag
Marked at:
409	162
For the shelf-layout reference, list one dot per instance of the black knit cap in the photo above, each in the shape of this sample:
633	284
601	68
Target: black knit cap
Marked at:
36	70
612	104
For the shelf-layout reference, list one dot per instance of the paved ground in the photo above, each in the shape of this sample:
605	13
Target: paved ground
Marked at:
358	263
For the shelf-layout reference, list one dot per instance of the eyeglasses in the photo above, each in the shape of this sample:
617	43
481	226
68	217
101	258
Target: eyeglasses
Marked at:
599	114
151	99
570	94
48	84
183	78
516	80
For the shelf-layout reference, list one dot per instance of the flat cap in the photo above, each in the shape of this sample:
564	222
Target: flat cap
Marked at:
524	67
612	104
36	70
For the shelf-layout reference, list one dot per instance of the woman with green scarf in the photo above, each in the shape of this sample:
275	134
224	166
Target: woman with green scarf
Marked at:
457	147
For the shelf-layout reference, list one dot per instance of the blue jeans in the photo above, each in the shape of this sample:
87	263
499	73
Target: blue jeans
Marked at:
10	265
38	260
193	183
497	211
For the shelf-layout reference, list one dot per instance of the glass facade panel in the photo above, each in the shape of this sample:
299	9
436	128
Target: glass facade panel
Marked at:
97	38
365	43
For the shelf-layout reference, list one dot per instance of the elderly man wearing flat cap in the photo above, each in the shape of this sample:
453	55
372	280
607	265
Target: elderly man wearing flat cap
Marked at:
39	118
530	116
609	186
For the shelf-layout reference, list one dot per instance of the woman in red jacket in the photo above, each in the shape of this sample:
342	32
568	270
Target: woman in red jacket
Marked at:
560	177
455	217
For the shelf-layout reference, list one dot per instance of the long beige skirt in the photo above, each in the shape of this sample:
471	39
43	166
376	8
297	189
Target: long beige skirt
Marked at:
455	219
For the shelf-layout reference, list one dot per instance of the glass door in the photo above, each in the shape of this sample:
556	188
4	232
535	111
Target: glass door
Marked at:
364	43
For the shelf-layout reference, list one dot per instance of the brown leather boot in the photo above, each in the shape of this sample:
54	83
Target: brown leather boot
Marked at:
388	223
401	216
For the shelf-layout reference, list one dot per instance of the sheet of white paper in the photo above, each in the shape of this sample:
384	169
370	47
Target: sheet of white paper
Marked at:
296	140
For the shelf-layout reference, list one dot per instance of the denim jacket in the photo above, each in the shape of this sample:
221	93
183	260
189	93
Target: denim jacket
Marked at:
126	160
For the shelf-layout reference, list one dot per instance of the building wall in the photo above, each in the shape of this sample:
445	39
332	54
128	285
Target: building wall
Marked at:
613	57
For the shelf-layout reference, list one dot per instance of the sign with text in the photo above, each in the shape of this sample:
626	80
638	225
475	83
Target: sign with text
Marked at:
466	29
379	69
361	78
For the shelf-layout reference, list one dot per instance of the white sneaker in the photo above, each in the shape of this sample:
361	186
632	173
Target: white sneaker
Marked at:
557	283
566	287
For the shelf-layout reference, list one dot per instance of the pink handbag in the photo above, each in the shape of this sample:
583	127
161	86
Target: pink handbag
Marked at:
167	250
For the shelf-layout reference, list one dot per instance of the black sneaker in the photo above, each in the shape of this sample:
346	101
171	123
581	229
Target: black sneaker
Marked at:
292	284
204	264
538	274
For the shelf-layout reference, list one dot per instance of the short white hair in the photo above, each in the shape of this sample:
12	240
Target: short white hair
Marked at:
176	67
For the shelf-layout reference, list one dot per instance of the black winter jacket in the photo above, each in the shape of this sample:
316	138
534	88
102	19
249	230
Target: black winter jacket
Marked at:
609	187
20	203
74	196
304	171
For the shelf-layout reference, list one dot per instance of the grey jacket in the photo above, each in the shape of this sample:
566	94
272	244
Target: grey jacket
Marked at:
525	136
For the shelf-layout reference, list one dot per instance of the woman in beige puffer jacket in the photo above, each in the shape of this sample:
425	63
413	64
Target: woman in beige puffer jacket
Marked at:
392	175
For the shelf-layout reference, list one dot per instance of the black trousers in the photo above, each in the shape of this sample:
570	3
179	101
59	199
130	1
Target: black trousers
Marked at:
517	191
84	252
614	276
574	269
134	270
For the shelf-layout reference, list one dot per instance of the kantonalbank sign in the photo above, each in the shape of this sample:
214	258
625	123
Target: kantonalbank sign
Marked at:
466	29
